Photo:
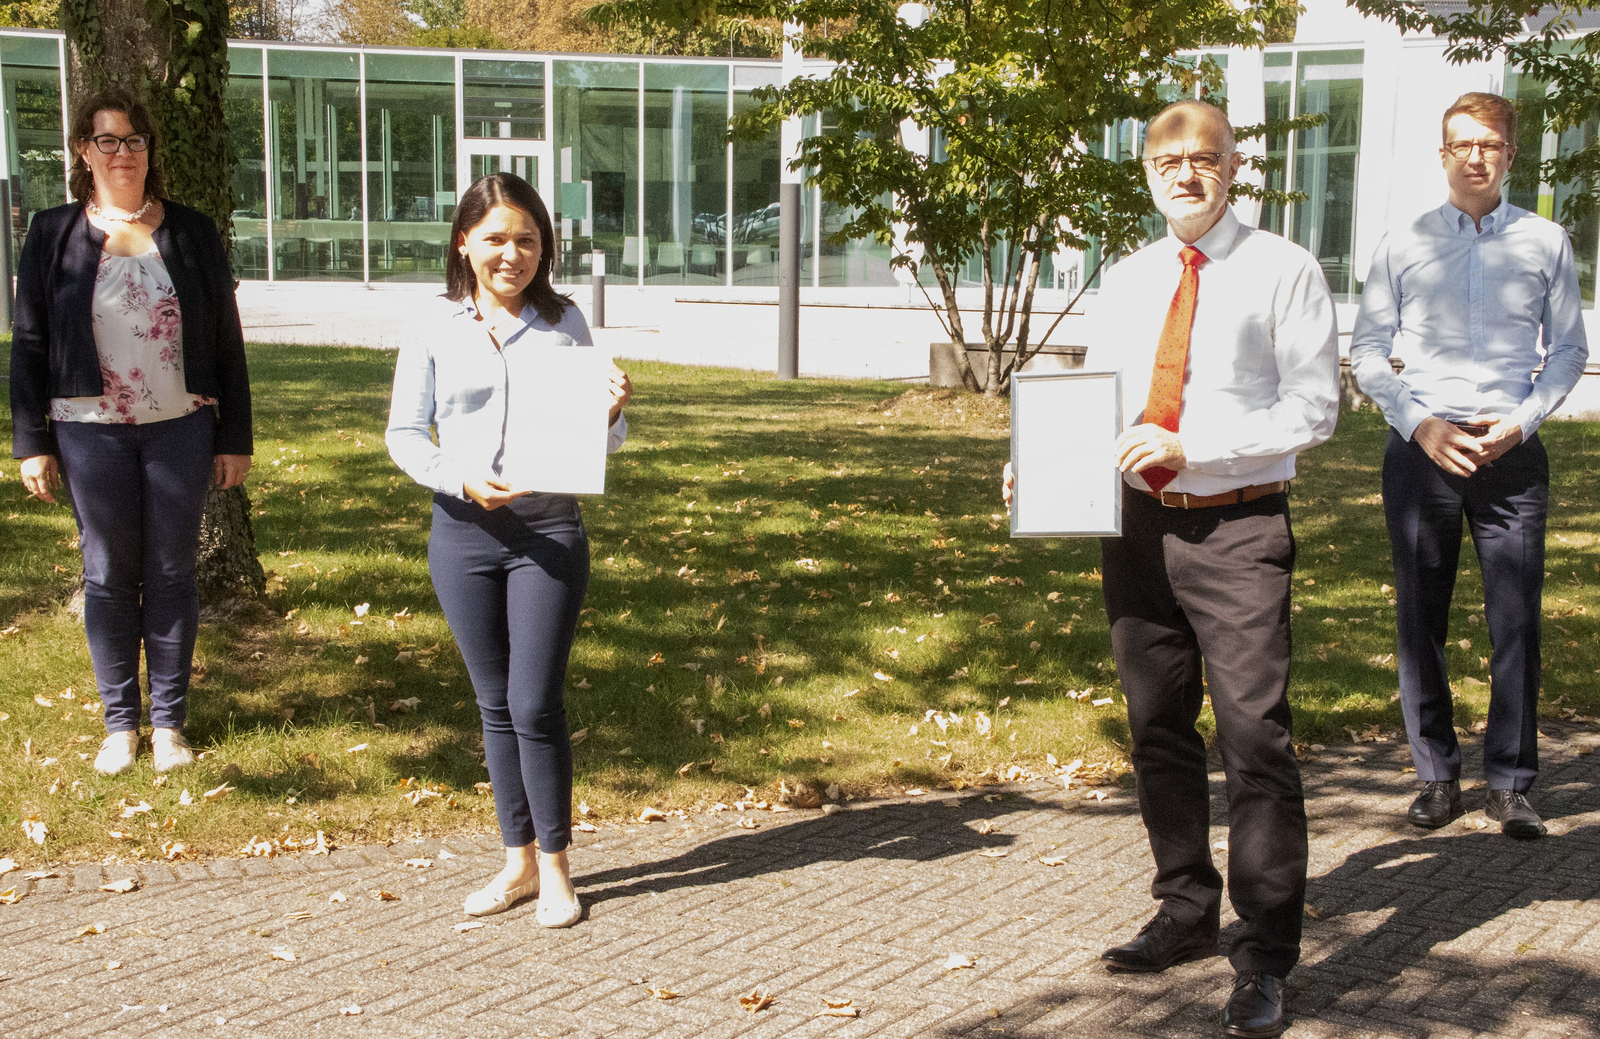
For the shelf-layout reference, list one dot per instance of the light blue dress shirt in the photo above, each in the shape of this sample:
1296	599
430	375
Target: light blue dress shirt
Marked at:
1473	313
453	382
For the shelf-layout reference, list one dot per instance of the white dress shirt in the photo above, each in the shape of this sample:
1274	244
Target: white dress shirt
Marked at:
1469	311
1262	382
456	384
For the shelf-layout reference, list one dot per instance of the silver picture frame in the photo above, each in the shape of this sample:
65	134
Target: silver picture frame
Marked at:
1064	425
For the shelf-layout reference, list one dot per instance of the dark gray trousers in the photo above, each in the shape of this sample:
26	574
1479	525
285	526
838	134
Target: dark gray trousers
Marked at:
1198	601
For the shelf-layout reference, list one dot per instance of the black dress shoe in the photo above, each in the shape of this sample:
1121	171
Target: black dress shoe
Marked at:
1162	943
1510	808
1436	805
1255	1010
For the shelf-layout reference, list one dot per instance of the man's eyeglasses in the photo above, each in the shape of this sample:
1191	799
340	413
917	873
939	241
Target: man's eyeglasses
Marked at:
109	143
1463	149
1167	167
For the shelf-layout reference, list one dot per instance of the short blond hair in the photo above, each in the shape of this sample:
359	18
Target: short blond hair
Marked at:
1488	109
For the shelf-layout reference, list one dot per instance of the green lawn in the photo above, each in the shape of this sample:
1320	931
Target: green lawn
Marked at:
788	578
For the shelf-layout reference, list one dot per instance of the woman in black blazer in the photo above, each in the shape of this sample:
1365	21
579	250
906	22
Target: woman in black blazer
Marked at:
128	379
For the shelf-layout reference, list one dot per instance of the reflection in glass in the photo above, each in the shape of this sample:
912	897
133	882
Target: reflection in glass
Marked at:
856	261
314	129
241	107
1329	82
756	173
503	99
1533	147
34	133
596	128
411	165
685	173
1279	87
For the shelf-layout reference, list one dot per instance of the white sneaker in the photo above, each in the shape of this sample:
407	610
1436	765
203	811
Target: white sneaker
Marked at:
117	752
497	899
558	913
170	750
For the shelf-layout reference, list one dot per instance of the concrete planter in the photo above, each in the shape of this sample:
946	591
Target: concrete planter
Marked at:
942	369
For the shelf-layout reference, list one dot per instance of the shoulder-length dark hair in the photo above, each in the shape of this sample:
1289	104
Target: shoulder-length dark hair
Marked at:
504	189
114	99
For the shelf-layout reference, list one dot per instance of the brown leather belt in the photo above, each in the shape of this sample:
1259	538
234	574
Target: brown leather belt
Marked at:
1472	429
1182	500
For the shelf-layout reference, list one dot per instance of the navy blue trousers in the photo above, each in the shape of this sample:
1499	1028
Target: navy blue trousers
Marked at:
138	493
511	585
1504	505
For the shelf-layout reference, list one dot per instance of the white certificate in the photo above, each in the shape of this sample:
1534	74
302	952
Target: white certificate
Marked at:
1063	428
557	417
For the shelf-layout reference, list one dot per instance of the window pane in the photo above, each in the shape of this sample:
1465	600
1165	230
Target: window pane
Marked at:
1279	88
756	173
857	261
242	109
1524	188
685	173
1325	162
314	121
411	165
503	99
596	125
33	129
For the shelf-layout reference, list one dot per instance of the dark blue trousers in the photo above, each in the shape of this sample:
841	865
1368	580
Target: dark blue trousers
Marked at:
511	585
138	493
1504	505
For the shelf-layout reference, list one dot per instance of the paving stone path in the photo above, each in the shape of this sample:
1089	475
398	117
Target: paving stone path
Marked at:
1456	933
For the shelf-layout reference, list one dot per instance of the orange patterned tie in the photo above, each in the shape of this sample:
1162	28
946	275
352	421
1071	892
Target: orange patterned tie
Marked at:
1172	356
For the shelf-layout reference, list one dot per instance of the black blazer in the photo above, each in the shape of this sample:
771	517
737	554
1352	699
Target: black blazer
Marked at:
52	339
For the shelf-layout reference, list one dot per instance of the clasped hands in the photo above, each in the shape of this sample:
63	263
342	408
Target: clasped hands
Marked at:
1138	449
492	492
1458	452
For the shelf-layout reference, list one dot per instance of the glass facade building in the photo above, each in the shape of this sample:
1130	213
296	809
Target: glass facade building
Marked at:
351	159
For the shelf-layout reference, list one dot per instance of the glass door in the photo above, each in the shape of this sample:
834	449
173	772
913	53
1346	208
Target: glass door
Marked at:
528	160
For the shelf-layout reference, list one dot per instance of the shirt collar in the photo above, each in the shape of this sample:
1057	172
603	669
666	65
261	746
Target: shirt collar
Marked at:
1461	223
1215	243
470	309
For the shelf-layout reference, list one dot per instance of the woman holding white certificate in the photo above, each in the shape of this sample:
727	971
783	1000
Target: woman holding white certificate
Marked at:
510	562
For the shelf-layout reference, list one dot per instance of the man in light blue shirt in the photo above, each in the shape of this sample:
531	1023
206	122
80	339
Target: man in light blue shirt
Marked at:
1476	295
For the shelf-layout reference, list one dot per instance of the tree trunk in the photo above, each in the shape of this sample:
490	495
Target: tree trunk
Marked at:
174	58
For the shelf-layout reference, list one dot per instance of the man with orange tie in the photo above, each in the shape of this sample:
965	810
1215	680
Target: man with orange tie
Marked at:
1226	340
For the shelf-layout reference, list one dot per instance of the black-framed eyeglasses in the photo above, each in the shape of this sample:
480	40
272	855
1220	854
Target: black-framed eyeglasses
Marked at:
1167	167
1490	149
109	144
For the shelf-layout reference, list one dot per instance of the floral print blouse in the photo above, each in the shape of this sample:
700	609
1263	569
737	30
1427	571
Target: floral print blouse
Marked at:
139	337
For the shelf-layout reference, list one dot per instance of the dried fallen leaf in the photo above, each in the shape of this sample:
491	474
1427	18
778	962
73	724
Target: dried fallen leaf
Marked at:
880	676
353	1010
842	1010
304	914
665	993
652	815
361	610
40	874
385	896
9	898
579	736
756	1000
129	811
994	853
1053	860
585	827
1313	912
7	865
120	887
35	830
357	749
186	798
113	965
217	793
283	954
958	961
337	896
91	929
419	863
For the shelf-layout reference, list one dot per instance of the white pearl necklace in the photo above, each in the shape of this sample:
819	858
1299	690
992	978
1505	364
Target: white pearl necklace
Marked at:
132	218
